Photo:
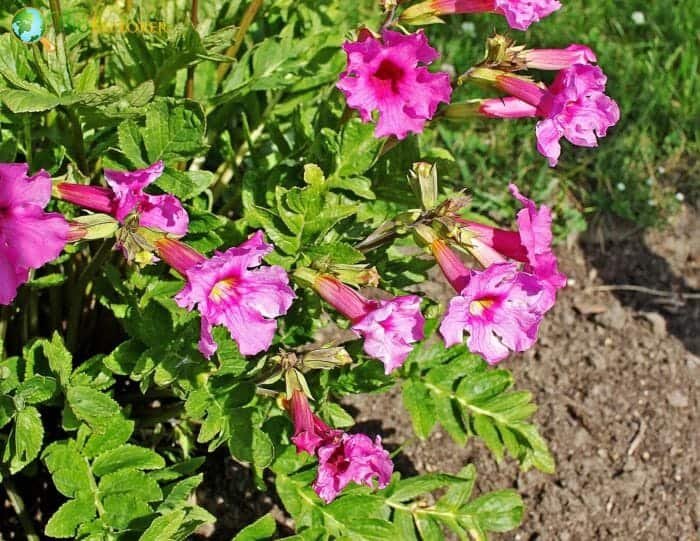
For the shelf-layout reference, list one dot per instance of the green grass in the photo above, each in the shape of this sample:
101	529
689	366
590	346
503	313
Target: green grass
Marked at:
644	161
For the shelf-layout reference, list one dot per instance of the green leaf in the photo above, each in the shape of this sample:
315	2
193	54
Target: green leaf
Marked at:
129	457
419	403
262	529
91	406
60	359
36	389
29	101
134	482
177	494
25	440
165	527
69	516
7	409
124	357
359	148
497	511
104	438
69	469
407	489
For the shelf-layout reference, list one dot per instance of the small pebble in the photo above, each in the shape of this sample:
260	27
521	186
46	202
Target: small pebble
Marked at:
677	399
646	456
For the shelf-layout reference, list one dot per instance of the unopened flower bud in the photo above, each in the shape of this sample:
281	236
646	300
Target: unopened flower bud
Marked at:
92	226
424	183
326	358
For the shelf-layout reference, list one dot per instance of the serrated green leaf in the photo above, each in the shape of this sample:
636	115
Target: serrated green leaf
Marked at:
36	389
176	495
104	438
497	511
29	101
25	440
407	489
127	457
358	148
60	359
68	517
165	527
260	530
69	469
123	482
7	410
419	403
95	408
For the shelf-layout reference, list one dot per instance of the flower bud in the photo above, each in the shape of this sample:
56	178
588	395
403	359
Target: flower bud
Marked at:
326	358
424	183
92	226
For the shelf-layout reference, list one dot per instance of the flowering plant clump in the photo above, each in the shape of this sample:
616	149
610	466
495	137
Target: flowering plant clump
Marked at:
234	229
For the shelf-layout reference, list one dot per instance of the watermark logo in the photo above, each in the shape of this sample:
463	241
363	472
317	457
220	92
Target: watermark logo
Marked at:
29	25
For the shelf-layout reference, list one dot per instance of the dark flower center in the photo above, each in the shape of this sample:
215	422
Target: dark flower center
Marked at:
390	73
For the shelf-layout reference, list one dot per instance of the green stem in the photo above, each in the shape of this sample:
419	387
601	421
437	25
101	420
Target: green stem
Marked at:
18	506
232	51
189	87
76	305
5	313
27	120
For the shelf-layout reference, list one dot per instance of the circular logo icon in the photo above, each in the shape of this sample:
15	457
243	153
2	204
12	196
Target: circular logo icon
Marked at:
28	25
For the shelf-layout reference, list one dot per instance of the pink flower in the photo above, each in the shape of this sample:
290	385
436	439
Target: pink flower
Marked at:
351	457
310	432
531	245
558	59
232	289
575	106
499	309
342	457
29	237
126	196
520	14
389	76
389	327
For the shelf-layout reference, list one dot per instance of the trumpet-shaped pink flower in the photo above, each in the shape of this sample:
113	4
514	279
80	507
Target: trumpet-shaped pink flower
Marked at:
125	195
351	457
520	14
232	289
531	244
499	309
558	59
577	109
389	327
342	457
389	76
575	106
310	432
29	237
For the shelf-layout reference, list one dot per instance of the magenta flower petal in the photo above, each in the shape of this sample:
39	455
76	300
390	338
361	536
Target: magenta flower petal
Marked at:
520	14
162	212
351	458
558	59
535	229
390	330
389	76
499	309
310	432
229	290
29	237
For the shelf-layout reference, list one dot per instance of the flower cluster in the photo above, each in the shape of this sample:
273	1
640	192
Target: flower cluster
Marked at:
501	307
574	106
342	457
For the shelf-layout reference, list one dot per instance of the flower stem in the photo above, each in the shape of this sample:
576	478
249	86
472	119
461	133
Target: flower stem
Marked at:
5	313
232	51
189	86
18	506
